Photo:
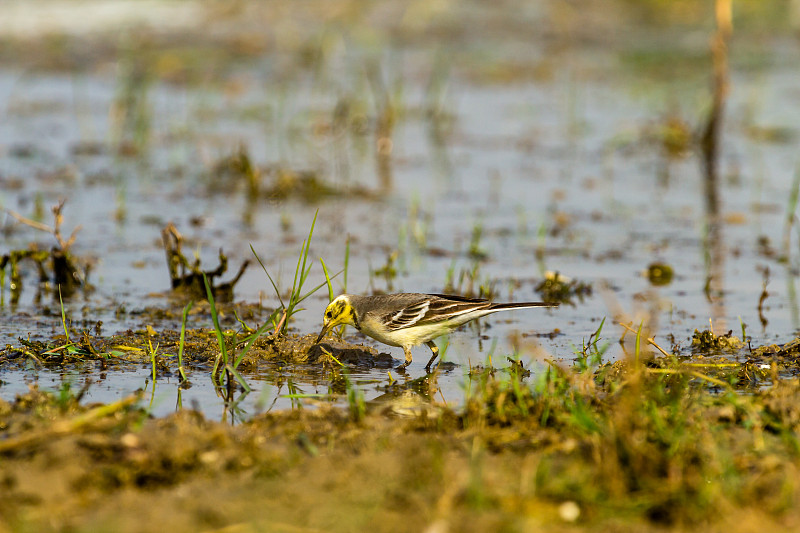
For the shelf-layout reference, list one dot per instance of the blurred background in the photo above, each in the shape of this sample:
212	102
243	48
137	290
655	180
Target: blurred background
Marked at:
635	160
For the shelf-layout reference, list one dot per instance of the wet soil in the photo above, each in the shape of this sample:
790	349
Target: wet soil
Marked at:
614	445
508	461
606	158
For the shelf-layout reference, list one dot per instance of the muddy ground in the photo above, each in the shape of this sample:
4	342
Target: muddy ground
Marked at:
568	453
635	162
616	446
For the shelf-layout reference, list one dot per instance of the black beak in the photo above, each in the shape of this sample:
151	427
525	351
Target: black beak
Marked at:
322	333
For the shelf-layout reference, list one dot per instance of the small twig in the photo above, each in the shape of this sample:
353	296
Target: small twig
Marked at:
694	373
280	323
64	427
329	354
31	355
713	365
29	222
239	274
55	231
762	298
59	219
650	340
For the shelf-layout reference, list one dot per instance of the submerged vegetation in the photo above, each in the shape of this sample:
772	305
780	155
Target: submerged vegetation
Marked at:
422	139
57	268
557	288
188	279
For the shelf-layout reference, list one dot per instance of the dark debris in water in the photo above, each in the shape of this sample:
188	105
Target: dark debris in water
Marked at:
557	288
706	341
660	274
188	278
57	267
348	354
790	350
274	182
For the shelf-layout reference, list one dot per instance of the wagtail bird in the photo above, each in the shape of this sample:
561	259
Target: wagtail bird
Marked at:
410	319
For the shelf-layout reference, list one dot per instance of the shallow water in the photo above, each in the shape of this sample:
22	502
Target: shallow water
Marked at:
562	163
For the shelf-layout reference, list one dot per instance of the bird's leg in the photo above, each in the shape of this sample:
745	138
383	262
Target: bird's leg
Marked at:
407	351
435	350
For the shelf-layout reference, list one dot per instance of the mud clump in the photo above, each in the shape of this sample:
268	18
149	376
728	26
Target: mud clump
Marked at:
557	288
275	182
655	451
706	341
201	348
304	350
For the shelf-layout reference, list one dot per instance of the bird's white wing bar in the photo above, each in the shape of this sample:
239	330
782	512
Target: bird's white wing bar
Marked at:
433	310
408	316
442	309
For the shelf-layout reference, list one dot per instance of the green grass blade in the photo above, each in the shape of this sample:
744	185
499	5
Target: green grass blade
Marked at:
274	286
308	244
254	337
301	272
638	342
245	327
327	279
152	354
297	273
63	314
238	377
303	278
301	269
217	329
315	289
182	340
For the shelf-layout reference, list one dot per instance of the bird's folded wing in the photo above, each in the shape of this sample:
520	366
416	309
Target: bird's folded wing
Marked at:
431	311
408	316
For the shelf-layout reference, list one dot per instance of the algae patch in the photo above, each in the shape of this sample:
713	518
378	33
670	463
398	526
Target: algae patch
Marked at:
200	349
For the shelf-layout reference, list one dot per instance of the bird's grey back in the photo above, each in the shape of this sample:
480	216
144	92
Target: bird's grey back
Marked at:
381	302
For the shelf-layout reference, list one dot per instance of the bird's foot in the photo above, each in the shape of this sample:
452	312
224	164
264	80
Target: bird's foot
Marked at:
429	366
432	359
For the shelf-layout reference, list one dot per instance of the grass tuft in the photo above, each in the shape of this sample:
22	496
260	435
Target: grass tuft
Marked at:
296	296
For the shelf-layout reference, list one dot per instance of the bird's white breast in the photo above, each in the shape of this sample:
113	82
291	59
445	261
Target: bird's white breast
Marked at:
400	337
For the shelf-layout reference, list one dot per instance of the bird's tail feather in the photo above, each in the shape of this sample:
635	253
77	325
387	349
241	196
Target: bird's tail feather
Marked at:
517	305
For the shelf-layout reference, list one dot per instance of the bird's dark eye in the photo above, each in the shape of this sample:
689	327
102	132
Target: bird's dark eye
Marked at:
328	314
